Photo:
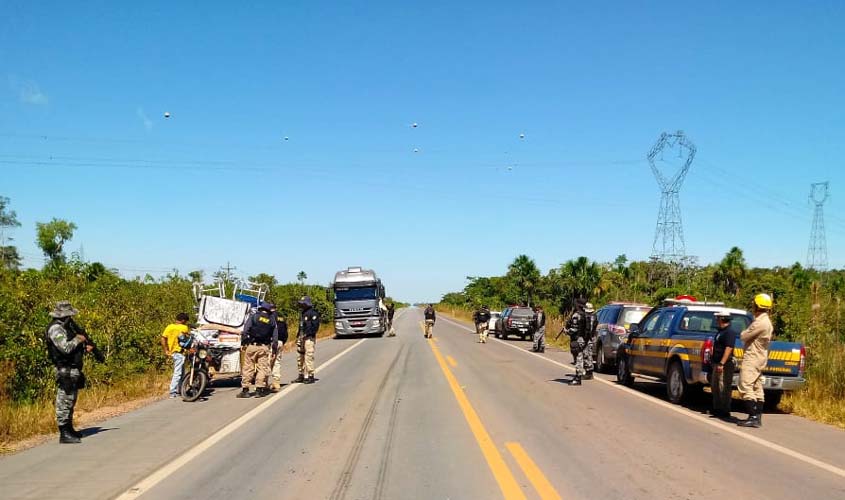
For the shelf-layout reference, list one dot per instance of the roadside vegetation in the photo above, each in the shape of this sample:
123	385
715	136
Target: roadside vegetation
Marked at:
808	306
124	317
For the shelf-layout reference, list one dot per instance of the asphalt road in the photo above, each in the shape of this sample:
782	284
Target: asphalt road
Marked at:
409	418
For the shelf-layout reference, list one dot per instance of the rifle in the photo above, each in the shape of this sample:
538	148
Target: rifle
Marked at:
77	329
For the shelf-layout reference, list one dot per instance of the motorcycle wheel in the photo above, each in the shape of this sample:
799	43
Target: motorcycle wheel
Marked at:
192	391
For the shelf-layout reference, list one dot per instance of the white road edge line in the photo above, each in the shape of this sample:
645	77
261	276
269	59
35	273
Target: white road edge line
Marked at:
162	473
682	411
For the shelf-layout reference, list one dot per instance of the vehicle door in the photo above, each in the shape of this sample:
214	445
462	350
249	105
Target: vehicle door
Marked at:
500	323
641	343
661	343
604	317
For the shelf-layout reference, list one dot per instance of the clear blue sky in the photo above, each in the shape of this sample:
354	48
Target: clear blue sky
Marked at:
758	86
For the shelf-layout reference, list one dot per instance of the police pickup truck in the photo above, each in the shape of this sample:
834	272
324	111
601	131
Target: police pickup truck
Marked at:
674	343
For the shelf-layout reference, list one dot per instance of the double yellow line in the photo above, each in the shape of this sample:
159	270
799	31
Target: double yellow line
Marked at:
501	472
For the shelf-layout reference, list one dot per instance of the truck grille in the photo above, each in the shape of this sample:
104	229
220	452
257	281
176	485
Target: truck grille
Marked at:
357	312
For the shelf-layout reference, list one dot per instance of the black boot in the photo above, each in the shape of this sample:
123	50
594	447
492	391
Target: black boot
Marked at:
261	392
588	375
310	379
244	393
753	419
759	413
576	380
298	380
65	437
73	432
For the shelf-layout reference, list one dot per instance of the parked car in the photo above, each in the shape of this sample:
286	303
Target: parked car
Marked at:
614	324
491	325
515	320
673	344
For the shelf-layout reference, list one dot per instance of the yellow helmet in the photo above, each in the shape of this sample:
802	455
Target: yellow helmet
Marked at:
763	301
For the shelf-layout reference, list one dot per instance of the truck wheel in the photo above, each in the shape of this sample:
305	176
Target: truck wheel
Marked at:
623	371
676	383
601	362
772	400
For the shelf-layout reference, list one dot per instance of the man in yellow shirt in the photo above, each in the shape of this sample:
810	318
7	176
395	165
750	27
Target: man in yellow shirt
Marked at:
172	349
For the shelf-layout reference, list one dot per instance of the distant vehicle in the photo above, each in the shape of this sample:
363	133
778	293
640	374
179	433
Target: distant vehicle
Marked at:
356	294
674	344
491	325
614	323
515	321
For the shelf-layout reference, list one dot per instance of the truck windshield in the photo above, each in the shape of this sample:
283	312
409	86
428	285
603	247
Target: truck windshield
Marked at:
366	293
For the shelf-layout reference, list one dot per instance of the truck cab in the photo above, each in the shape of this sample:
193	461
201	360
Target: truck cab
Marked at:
357	294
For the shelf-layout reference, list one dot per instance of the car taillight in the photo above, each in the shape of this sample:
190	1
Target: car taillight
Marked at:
510	321
618	330
801	362
706	351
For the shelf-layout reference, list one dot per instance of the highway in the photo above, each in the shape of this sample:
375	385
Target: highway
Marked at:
448	418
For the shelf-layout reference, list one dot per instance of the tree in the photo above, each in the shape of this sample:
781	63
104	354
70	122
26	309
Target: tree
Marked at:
267	279
9	258
196	276
523	273
731	271
52	236
301	277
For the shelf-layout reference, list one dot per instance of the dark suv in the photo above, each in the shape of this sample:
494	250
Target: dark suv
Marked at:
516	321
614	323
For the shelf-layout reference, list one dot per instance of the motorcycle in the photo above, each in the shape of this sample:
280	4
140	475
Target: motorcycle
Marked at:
195	375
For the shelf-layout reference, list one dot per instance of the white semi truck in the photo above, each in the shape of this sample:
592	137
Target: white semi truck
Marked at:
357	295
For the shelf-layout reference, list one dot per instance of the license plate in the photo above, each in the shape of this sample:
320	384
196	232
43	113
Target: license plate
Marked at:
358	323
523	330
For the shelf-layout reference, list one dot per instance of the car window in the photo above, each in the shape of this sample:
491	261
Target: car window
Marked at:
665	322
649	326
612	314
523	312
705	322
631	315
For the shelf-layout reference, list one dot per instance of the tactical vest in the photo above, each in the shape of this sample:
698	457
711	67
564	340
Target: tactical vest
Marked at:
261	331
590	323
57	356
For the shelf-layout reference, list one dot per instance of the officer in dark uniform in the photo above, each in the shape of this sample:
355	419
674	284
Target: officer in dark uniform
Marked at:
306	341
66	345
259	343
481	317
722	373
580	328
430	318
539	330
275	380
391	310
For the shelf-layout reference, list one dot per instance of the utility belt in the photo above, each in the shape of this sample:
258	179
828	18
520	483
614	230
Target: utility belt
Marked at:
69	379
254	342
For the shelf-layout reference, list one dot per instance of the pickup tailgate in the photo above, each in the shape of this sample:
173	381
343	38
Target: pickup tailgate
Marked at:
784	358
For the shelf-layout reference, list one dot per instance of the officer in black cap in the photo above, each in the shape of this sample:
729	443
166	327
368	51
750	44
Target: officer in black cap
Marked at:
258	342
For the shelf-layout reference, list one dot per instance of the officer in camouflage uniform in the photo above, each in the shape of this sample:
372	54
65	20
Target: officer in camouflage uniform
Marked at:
580	328
66	346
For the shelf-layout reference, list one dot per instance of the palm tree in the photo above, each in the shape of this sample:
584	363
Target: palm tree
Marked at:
301	277
731	271
524	274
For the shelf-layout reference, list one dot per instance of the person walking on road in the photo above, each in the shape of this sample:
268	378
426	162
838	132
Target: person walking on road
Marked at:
579	328
430	318
482	319
65	347
722	374
391	310
306	340
755	339
275	361
259	343
539	330
172	349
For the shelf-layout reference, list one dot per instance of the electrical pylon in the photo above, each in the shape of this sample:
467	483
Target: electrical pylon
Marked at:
669	243
817	252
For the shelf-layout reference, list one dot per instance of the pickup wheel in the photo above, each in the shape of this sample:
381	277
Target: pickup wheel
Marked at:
676	383
623	371
601	362
772	400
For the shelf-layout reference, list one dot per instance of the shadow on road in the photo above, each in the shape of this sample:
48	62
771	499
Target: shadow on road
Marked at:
90	431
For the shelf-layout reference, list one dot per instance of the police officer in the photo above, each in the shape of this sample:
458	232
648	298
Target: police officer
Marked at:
482	319
306	339
590	324
259	343
580	327
755	339
722	374
66	346
539	330
276	362
430	318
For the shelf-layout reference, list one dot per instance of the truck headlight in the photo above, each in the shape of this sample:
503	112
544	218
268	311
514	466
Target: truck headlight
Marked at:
376	322
338	324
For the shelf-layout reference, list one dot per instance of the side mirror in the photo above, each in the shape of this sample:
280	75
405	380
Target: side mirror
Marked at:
634	329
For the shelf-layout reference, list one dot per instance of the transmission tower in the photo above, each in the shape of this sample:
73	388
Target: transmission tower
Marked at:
817	252
669	237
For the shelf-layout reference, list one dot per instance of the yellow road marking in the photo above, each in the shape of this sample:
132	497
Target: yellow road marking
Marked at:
452	361
534	474
504	477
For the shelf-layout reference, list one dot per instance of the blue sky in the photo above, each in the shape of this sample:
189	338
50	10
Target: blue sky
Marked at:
756	86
